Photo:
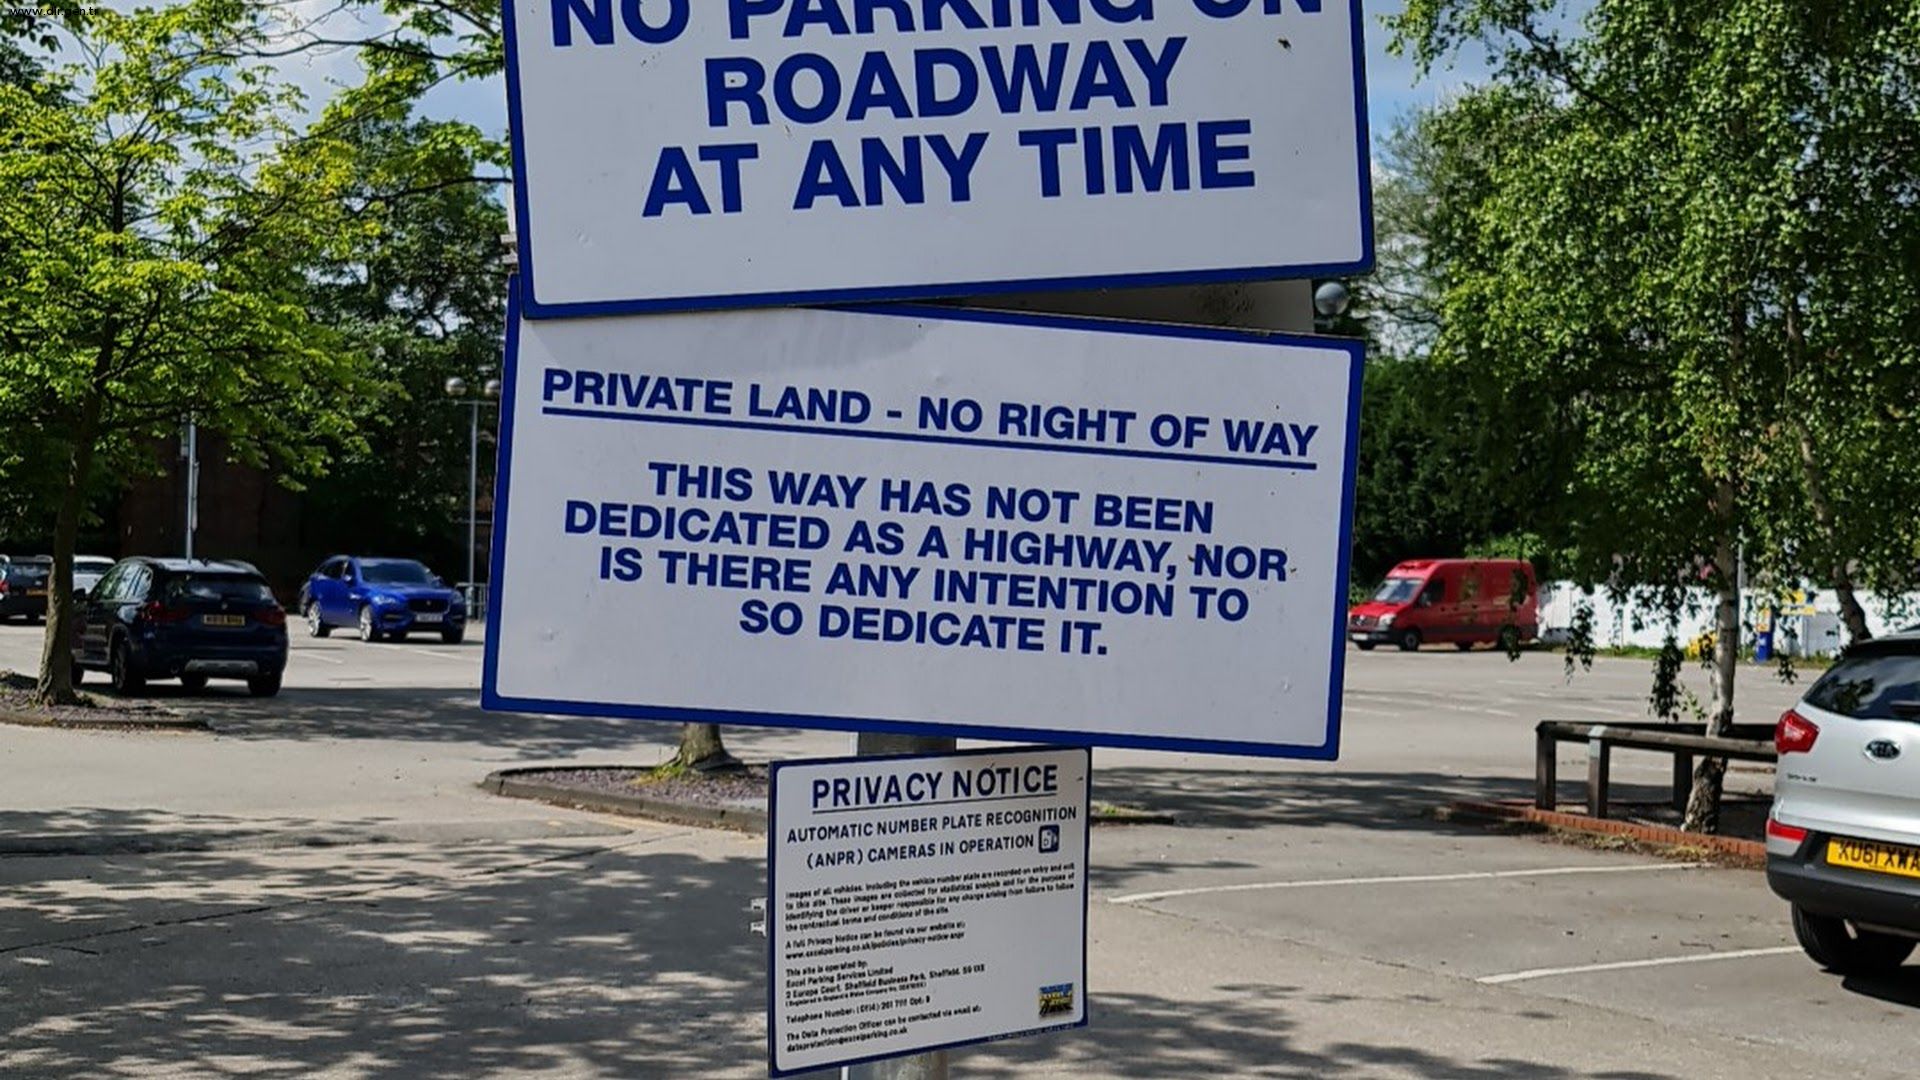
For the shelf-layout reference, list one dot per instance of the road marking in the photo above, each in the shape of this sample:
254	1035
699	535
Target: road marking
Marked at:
1629	965
307	654
1405	879
434	652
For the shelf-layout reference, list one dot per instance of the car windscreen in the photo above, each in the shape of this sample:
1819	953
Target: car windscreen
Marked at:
1870	686
29	573
395	572
218	587
92	566
1397	590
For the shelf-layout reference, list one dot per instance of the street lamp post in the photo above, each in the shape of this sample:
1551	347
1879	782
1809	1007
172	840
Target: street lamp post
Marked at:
490	390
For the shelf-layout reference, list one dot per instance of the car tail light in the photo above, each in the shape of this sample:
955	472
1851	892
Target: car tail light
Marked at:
1790	833
1794	734
155	611
3	585
271	616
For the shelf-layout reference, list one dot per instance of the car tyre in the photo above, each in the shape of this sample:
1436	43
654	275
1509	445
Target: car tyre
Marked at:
1463	646
124	670
76	674
316	626
1408	640
1365	646
368	632
193	684
264	685
454	635
1848	950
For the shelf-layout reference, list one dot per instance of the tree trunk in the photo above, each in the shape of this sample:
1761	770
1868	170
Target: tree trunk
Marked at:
1703	805
701	748
56	647
1854	615
1851	612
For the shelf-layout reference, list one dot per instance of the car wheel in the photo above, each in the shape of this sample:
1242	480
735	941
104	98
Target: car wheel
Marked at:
316	626
77	673
367	630
264	685
1847	950
1463	646
193	684
1365	646
1408	640
124	670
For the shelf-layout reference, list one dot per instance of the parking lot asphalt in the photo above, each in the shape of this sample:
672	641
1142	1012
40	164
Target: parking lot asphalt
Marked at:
1297	920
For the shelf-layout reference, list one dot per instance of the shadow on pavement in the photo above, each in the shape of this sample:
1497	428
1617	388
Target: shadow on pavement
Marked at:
620	960
439	714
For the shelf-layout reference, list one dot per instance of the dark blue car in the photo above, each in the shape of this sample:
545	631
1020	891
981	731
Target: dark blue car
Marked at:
186	619
382	598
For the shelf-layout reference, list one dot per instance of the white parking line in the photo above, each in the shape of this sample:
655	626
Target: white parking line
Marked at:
436	652
1404	879
1629	965
309	654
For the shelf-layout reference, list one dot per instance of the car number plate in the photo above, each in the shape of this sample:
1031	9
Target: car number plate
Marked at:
36	592
425	617
223	620
1879	858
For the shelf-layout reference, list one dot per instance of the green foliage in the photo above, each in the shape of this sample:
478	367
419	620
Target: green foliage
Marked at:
1695	224
1691	223
1452	461
422	290
158	213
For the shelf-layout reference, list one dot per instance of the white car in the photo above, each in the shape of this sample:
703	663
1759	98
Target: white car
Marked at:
87	572
1843	841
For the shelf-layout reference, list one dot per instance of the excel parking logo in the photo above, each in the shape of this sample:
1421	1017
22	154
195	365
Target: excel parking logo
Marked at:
1049	838
1056	1000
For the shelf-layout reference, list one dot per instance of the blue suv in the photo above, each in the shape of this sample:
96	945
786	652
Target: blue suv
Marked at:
383	598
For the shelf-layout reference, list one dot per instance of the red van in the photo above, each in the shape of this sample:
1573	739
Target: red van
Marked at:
1461	601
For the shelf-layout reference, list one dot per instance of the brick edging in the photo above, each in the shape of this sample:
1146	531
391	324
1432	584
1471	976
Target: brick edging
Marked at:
523	783
1752	851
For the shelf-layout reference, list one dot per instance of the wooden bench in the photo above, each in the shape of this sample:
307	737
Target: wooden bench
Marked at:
1744	742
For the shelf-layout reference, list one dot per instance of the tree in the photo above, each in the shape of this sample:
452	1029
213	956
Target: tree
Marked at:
418	48
421	288
157	213
1672	233
1451	461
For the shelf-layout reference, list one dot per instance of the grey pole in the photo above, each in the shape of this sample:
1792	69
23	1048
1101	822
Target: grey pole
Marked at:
931	1066
473	494
193	483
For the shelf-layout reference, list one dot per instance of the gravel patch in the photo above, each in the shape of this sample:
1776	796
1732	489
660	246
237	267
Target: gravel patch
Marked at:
19	706
746	787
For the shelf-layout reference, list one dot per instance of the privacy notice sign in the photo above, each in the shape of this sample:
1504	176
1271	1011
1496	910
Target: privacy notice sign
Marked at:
927	520
924	902
673	154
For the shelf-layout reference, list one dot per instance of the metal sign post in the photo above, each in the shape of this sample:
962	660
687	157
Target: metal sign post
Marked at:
1036	522
928	1066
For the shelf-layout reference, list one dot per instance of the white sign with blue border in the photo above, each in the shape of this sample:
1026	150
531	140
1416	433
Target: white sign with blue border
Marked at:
927	520
679	154
922	903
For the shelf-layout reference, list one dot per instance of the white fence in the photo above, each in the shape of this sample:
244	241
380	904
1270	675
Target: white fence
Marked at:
1810	627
